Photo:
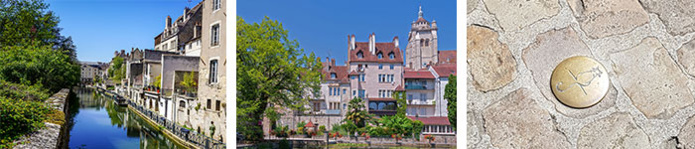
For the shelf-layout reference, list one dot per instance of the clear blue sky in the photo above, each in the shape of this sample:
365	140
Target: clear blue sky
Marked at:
322	26
100	27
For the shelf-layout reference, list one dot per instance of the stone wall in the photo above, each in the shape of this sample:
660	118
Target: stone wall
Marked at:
646	46
54	135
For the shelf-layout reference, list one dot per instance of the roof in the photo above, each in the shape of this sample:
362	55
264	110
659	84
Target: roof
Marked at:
381	99
154	55
435	120
340	71
384	47
417	74
421	20
399	88
447	57
353	73
310	124
444	70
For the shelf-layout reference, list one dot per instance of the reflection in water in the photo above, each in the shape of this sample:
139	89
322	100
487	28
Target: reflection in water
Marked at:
96	122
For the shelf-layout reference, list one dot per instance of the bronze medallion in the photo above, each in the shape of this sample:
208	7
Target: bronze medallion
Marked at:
579	82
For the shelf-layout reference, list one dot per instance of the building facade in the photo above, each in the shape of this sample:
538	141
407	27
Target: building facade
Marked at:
212	70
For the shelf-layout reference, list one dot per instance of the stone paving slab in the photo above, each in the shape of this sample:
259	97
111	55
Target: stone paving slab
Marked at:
647	47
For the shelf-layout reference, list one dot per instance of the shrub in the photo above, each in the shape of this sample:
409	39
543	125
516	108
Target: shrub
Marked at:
23	92
19	117
322	128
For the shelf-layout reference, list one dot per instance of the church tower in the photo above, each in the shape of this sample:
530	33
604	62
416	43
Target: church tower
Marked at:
422	43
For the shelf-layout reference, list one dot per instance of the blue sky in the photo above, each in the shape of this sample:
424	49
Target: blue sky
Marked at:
100	27
322	26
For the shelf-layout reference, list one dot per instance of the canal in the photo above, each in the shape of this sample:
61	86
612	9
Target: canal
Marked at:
96	122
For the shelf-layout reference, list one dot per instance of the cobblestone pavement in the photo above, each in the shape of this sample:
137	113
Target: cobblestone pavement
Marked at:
647	47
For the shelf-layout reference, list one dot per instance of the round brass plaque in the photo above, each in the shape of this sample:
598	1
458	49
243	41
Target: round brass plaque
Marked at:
579	82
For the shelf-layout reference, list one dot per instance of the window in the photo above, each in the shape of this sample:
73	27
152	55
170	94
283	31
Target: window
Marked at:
217	105
344	90
333	76
360	55
392	56
353	77
215	4
391	67
215	33
354	92
381	66
209	104
427	42
182	104
330	91
372	106
361	93
362	77
213	71
380	55
423	97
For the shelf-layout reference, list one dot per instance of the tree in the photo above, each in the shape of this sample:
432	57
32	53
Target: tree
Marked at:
36	64
189	81
402	105
29	22
357	113
272	72
117	70
450	96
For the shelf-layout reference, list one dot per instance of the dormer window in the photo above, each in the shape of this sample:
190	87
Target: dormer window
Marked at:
333	76
360	55
380	55
392	56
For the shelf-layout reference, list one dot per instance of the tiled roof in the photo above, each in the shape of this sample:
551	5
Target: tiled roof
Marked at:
447	57
444	70
384	47
399	88
417	74
421	20
353	73
435	120
340	71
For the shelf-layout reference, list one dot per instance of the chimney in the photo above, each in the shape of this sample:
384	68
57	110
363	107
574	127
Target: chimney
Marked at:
168	22
185	14
351	41
372	43
395	41
332	62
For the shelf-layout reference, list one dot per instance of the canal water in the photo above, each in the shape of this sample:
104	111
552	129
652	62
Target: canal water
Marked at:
97	122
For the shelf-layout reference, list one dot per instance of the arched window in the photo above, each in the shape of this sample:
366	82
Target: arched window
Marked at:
390	106
333	76
182	104
380	55
372	105
381	106
422	42
360	55
392	56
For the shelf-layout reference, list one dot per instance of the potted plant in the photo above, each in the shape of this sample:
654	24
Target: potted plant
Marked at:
189	83
430	139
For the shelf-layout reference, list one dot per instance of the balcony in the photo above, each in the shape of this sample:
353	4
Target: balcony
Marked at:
333	112
413	86
420	102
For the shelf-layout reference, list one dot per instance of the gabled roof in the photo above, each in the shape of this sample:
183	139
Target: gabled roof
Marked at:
435	120
447	57
384	47
444	70
417	74
340	71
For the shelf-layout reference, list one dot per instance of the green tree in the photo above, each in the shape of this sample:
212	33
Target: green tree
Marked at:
117	70
402	105
397	124
29	22
190	81
37	64
450	96
272	73
357	113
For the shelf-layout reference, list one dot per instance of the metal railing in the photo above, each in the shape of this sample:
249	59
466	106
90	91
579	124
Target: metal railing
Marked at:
188	135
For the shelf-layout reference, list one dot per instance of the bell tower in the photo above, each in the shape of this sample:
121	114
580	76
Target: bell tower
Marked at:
422	43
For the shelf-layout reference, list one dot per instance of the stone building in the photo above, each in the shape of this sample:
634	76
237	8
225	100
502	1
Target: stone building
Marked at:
375	73
90	71
212	71
422	43
182	35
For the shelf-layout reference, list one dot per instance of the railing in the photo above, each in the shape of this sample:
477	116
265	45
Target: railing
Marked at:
416	87
420	102
334	111
382	112
188	135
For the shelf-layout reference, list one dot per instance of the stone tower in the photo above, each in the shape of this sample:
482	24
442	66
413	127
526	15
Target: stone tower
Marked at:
422	43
